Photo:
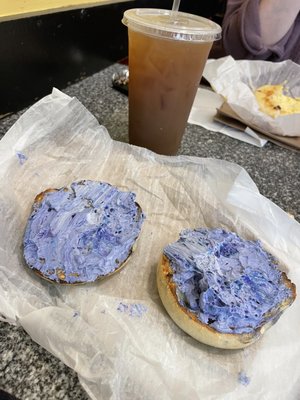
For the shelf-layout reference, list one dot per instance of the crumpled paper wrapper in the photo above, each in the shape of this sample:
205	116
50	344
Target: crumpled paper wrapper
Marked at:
236	81
203	113
115	333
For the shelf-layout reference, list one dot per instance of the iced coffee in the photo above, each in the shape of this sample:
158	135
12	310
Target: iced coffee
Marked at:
167	54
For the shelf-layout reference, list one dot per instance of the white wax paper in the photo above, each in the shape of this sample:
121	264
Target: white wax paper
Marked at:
117	352
203	111
236	81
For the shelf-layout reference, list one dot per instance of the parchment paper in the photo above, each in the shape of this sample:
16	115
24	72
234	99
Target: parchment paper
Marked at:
121	350
203	112
236	81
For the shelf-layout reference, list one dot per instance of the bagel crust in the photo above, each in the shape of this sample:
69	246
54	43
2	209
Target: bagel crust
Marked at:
189	322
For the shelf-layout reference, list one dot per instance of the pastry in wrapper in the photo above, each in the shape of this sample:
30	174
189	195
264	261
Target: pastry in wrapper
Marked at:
274	102
237	80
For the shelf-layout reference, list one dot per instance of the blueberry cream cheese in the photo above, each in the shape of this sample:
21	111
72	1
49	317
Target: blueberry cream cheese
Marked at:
221	289
82	233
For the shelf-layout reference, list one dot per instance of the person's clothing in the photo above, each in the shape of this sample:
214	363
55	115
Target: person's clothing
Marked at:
242	39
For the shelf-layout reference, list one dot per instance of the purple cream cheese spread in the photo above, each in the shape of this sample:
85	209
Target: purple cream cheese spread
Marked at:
229	283
86	231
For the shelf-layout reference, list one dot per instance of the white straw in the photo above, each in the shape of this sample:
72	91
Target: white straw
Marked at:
176	4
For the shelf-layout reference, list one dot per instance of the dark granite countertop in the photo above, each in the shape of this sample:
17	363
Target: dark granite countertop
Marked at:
30	372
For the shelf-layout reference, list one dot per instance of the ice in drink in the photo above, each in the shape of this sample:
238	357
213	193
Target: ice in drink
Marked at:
165	68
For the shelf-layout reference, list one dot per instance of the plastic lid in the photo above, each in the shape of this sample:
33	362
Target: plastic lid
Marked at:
171	24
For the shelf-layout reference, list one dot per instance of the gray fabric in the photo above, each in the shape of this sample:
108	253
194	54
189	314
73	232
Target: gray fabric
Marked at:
242	38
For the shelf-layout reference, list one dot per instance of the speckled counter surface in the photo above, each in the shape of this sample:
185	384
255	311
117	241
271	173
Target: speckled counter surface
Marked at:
28	371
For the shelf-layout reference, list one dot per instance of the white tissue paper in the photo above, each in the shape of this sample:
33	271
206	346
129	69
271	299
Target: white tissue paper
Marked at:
236	81
203	111
115	333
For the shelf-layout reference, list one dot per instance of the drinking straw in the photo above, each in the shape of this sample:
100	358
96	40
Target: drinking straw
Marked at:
176	4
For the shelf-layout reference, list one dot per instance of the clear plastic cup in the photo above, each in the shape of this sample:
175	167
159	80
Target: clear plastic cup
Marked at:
167	54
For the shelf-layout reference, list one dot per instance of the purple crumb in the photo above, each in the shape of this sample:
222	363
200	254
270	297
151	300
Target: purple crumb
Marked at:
122	307
76	314
137	310
21	157
243	378
133	310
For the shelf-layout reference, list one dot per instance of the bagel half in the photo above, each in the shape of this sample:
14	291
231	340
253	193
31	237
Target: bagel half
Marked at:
188	320
83	233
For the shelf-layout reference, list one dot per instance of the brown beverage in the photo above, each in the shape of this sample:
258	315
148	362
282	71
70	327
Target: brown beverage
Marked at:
164	74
